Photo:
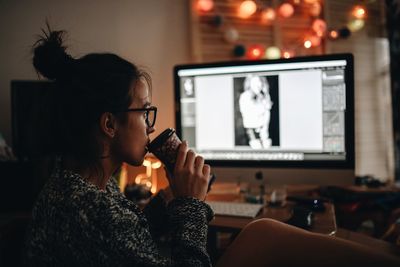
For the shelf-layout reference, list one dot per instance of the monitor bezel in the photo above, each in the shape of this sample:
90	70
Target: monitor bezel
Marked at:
348	163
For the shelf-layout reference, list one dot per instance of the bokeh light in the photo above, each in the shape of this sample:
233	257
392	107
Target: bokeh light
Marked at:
247	8
315	9
319	27
272	52
286	10
307	44
205	5
231	35
287	53
268	15
255	51
355	24
333	34
359	12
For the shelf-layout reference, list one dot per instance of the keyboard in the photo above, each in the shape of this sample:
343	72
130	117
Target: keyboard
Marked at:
248	210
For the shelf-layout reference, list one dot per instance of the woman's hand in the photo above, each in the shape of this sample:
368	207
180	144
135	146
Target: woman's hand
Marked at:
191	176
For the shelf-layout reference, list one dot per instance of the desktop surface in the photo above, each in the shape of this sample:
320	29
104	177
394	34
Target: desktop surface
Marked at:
324	222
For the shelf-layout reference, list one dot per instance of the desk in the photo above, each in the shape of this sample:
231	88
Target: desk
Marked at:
323	222
357	204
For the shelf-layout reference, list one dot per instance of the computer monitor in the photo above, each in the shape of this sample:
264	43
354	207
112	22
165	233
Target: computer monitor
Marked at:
291	119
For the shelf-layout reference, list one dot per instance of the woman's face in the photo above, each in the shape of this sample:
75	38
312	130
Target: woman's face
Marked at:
133	136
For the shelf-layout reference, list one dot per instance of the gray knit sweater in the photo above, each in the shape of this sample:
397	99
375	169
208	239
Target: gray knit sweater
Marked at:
74	223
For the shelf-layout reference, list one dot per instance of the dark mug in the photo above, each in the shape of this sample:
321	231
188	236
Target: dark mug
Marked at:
165	147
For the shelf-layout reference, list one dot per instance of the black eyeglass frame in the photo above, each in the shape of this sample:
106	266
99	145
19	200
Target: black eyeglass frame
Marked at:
147	110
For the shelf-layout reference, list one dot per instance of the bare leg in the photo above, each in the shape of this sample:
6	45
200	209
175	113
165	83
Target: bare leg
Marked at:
267	242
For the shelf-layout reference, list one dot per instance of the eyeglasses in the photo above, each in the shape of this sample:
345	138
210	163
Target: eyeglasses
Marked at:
150	114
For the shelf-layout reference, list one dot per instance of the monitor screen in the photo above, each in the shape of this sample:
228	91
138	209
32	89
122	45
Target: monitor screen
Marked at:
295	112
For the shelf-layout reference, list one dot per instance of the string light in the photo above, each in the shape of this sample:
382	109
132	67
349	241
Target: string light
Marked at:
286	10
205	5
307	44
272	52
315	9
333	34
287	53
319	27
247	8
268	15
255	51
231	35
355	25
359	12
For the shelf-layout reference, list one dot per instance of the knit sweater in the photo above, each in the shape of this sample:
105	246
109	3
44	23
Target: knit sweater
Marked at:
75	223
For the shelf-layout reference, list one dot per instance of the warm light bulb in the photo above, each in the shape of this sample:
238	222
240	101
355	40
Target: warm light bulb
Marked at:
286	10
287	53
205	5
315	9
268	15
355	25
307	44
359	12
255	52
231	35
333	34
273	52
319	27
247	8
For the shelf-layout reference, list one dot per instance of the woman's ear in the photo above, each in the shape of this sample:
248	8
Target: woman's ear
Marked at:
108	124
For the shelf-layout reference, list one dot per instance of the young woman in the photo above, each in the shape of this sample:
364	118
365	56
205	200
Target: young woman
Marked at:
104	118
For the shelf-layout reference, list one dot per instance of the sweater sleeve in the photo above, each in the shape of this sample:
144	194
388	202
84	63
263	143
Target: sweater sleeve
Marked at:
188	220
156	214
124	237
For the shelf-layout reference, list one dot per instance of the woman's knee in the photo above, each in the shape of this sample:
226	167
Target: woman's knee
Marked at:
262	228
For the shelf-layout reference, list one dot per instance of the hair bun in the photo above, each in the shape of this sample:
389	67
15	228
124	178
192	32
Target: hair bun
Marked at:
50	58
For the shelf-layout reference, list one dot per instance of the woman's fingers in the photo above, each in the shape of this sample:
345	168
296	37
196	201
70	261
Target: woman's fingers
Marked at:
198	165
191	175
181	157
207	171
190	158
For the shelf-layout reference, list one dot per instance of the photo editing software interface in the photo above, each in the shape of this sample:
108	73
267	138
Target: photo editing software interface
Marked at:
281	111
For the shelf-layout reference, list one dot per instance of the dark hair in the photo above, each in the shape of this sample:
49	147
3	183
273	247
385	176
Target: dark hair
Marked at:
86	88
